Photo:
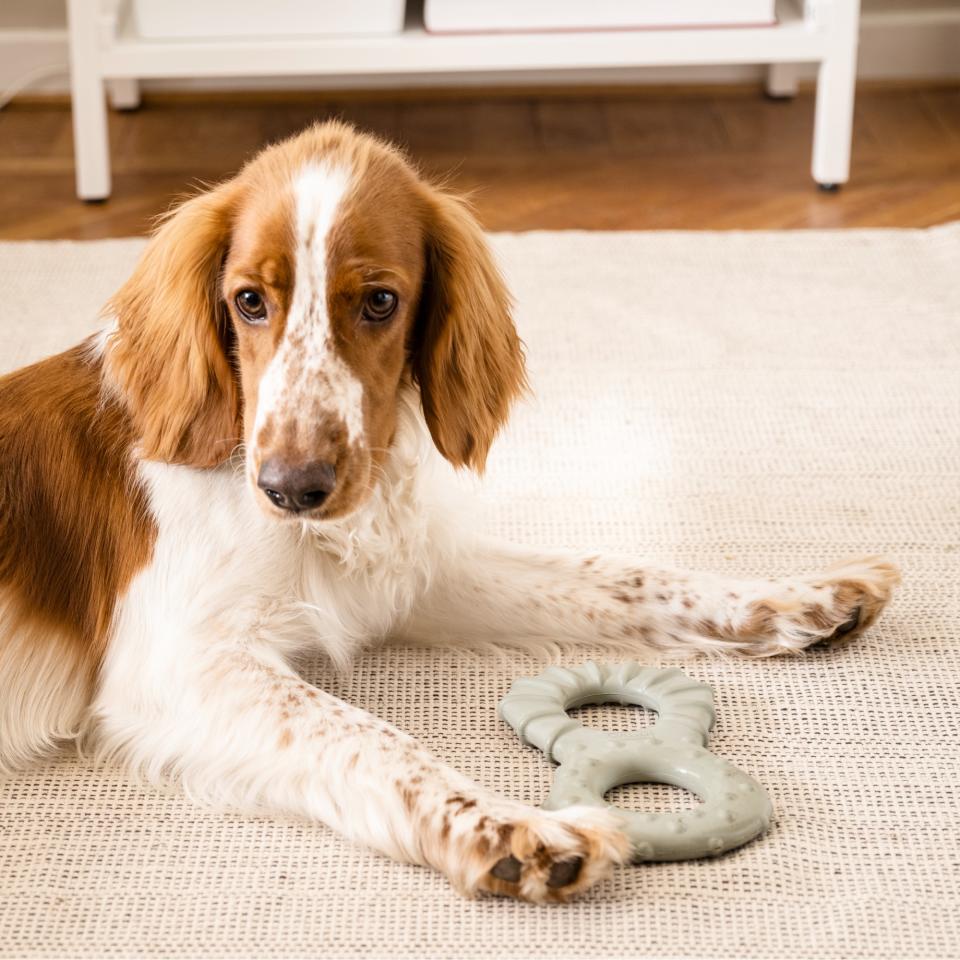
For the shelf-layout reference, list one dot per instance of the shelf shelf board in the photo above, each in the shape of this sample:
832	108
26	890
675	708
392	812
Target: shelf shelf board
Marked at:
414	51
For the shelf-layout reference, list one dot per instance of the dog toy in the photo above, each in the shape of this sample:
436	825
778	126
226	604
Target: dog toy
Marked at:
735	808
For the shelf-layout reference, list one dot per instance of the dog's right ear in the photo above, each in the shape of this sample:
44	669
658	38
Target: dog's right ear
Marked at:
170	356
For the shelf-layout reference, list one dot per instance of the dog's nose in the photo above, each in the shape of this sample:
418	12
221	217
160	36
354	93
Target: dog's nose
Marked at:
297	488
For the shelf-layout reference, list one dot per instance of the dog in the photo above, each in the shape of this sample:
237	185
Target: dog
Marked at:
251	460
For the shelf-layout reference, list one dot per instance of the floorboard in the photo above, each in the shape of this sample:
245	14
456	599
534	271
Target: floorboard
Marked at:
618	159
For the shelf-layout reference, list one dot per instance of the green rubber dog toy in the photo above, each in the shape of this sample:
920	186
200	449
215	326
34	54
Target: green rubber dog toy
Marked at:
735	807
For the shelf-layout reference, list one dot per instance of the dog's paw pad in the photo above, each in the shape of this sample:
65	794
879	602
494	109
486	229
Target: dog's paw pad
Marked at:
551	857
564	873
849	626
508	869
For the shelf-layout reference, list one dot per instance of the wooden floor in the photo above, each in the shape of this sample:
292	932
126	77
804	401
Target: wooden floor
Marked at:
613	159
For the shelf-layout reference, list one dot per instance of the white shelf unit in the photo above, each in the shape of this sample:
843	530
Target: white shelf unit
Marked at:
106	52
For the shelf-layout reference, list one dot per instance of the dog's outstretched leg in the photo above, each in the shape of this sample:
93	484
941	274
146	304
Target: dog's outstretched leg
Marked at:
244	731
496	594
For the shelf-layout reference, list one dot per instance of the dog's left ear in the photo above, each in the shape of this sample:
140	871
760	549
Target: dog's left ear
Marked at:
467	358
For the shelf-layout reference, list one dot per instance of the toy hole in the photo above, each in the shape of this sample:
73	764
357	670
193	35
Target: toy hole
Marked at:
652	798
613	717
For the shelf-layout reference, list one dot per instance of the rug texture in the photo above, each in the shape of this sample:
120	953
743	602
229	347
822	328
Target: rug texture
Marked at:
747	402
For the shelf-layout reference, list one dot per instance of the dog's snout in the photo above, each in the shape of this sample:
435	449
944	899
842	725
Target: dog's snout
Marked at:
297	488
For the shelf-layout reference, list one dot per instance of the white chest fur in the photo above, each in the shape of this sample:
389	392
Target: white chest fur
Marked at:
223	574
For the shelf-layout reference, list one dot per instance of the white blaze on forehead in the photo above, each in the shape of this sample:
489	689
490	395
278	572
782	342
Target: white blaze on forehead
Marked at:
307	381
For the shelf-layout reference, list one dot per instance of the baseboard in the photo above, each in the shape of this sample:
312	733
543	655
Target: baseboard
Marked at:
914	44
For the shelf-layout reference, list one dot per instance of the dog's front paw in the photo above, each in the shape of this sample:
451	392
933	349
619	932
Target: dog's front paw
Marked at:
858	592
543	856
842	601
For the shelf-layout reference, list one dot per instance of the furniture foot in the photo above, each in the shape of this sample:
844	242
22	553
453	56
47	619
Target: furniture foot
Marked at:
124	93
781	82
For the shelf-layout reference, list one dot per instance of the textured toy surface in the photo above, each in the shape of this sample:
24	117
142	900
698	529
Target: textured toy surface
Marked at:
735	808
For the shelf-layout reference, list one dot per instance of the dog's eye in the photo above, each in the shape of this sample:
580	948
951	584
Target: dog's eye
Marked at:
379	306
251	306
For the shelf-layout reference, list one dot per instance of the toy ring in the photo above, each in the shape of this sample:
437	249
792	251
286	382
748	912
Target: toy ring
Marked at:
735	808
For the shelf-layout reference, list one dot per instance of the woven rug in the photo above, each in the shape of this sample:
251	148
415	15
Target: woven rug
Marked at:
747	402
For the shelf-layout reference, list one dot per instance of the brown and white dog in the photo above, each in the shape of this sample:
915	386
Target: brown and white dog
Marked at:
247	462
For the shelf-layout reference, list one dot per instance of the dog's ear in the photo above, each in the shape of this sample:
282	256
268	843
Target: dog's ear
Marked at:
467	358
170	356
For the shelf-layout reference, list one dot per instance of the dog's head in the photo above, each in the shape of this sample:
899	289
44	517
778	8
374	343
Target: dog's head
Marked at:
286	308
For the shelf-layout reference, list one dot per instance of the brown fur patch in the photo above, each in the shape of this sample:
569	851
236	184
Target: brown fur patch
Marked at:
74	523
74	528
761	620
819	618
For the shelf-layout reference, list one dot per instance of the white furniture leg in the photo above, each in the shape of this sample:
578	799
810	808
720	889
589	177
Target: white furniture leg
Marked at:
836	83
781	81
124	93
90	136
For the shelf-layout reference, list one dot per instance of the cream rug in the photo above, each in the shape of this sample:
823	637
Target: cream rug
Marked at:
747	402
